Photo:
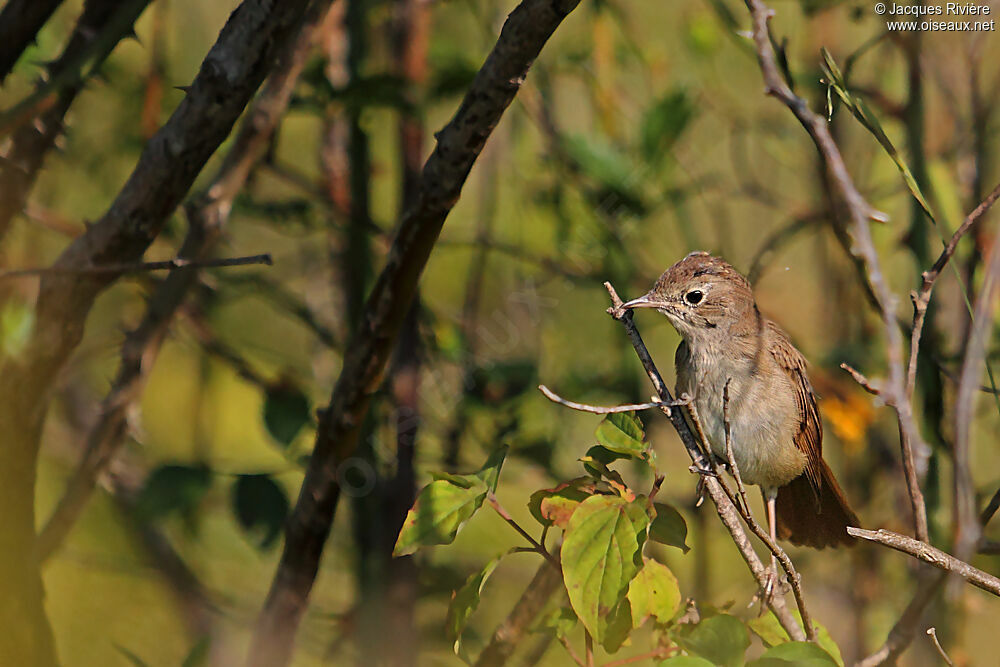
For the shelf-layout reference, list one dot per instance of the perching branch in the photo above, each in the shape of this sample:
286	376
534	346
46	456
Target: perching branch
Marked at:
928	554
524	34
721	496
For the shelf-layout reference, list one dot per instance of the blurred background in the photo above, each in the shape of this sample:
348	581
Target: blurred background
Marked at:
641	134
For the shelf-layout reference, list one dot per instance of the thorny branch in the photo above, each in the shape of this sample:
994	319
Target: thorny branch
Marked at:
459	144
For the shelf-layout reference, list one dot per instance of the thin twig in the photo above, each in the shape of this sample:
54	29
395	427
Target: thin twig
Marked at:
535	544
588	643
932	633
140	267
598	410
729	448
929	554
990	509
564	640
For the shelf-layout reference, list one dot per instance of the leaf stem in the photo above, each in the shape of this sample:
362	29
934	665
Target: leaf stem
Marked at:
535	544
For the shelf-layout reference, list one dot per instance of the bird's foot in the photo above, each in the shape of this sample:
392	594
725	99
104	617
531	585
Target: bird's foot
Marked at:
774	584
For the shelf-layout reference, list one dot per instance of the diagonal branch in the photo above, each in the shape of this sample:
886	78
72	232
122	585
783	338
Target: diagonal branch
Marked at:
928	554
20	22
102	25
524	34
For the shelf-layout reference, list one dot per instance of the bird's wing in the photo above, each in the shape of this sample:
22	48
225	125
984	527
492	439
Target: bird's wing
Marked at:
809	436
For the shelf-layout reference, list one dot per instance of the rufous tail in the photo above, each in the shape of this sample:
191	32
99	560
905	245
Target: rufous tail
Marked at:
813	519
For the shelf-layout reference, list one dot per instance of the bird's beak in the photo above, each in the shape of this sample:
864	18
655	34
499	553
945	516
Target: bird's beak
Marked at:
644	301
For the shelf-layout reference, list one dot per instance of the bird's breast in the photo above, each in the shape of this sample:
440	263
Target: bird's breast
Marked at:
761	410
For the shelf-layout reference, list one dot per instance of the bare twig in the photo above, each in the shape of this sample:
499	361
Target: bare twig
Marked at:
535	544
459	144
599	410
730	459
929	554
564	640
932	633
990	509
140	267
722	498
588	645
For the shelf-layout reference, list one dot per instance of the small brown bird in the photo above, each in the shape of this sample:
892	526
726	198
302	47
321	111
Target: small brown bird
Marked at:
775	429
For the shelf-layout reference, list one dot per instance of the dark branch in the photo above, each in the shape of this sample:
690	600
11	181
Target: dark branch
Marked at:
527	29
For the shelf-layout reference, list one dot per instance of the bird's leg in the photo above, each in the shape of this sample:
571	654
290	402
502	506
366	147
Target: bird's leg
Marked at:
771	500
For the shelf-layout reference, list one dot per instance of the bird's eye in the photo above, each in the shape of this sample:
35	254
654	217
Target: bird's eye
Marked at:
694	297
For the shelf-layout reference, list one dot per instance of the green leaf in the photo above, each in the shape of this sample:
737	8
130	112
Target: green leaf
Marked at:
617	627
663	124
723	639
444	505
654	592
767	627
601	553
668	527
260	504
797	654
172	488
464	603
560	620
870	122
489	474
286	412
685	661
556	505
621	433
440	511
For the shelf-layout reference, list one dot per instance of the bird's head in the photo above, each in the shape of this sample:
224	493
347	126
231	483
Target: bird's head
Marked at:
703	297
